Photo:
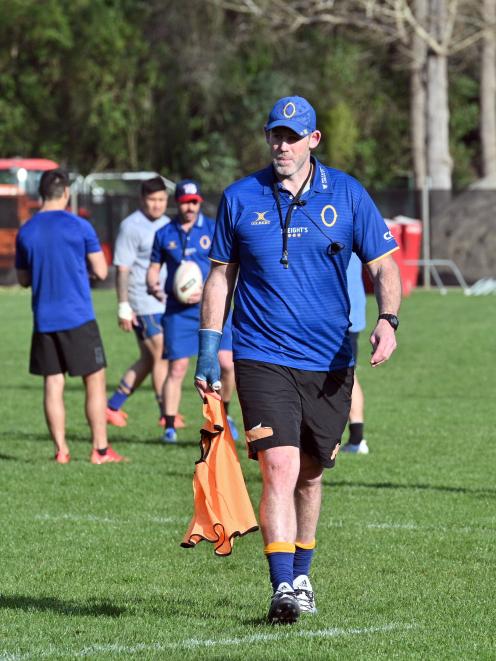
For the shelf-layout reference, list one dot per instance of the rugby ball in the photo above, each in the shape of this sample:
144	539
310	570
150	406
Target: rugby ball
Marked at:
188	280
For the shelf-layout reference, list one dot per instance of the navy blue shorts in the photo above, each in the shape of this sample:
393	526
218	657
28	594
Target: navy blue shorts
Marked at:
181	333
148	325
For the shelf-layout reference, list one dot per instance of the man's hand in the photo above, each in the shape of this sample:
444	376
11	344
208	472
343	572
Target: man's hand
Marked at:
383	341
157	291
207	374
126	316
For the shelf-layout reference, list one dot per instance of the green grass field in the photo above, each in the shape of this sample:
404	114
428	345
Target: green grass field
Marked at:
405	567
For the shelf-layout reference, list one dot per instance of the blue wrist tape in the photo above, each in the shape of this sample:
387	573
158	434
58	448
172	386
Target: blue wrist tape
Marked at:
207	365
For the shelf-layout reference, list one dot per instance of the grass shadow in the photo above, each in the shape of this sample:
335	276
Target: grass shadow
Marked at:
486	492
94	607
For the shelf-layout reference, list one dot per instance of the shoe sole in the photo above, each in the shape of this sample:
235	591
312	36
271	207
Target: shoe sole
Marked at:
286	611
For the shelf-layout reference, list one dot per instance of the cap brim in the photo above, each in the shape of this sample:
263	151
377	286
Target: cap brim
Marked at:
298	128
189	198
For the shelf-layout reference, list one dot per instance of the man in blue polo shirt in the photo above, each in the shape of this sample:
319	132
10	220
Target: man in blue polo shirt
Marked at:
283	240
187	237
53	253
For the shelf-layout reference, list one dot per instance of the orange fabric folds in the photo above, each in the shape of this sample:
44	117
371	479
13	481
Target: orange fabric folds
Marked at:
223	509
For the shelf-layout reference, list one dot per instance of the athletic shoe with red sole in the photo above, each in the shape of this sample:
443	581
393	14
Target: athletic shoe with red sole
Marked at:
111	456
116	418
62	458
179	422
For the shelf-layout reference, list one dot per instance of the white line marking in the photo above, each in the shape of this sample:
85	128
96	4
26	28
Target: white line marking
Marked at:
91	518
180	520
195	643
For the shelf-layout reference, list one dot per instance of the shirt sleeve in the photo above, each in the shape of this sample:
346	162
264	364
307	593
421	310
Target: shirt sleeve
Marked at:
21	257
125	250
91	241
224	246
156	254
371	236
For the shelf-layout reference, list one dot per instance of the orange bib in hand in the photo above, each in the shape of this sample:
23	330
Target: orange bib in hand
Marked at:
223	509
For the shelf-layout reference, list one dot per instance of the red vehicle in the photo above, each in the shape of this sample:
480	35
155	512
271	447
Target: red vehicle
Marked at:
19	179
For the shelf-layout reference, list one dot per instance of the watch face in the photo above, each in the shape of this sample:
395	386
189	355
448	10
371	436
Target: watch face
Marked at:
392	319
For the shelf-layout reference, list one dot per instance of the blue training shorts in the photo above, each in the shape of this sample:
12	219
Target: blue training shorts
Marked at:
148	325
181	333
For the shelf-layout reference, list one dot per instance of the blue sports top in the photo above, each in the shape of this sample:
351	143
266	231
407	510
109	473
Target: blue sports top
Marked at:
299	316
173	245
356	292
52	246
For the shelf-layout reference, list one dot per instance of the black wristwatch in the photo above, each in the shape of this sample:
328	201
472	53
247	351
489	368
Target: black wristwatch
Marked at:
392	319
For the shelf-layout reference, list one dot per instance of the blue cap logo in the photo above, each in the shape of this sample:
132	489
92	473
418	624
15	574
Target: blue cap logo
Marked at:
295	113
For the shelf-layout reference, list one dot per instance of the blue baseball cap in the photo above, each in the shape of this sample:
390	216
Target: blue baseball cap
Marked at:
294	112
188	190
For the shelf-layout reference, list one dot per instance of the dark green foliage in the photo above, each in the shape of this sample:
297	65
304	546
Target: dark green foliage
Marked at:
184	87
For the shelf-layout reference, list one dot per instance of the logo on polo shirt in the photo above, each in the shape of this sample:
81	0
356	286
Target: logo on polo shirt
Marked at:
172	245
205	242
260	219
296	232
329	215
388	236
323	178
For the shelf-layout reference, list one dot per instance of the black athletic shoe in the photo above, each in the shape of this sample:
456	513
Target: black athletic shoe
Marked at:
284	607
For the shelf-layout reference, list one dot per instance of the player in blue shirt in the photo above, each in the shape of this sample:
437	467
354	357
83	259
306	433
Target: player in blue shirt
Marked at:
283	240
356	291
187	237
53	252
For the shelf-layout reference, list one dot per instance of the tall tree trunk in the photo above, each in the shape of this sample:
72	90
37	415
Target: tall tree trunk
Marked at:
488	90
418	98
439	162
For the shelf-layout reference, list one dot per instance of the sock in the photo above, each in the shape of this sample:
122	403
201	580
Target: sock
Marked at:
169	421
103	452
280	556
160	405
303	558
119	397
356	432
226	406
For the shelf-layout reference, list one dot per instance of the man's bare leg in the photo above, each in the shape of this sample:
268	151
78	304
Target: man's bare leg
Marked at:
280	468
308	497
53	404
173	385
227	374
95	406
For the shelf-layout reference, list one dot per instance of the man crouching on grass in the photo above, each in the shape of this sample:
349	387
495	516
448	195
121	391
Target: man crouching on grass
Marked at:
53	250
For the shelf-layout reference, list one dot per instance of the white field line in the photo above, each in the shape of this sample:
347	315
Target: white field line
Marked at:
91	518
180	520
198	643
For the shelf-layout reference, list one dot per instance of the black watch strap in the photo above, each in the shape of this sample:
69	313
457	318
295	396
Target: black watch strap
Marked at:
392	319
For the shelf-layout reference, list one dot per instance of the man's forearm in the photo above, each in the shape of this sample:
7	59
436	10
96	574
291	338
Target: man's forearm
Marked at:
122	284
387	285
217	295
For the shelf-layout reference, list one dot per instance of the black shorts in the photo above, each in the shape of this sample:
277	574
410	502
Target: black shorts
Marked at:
78	351
287	406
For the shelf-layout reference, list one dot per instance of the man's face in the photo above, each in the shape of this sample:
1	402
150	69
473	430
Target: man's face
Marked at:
189	211
289	151
155	204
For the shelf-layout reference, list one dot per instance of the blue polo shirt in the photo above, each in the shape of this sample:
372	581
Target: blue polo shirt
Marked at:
299	316
173	245
52	246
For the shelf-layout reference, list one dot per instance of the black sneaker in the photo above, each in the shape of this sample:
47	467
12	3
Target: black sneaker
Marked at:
284	607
